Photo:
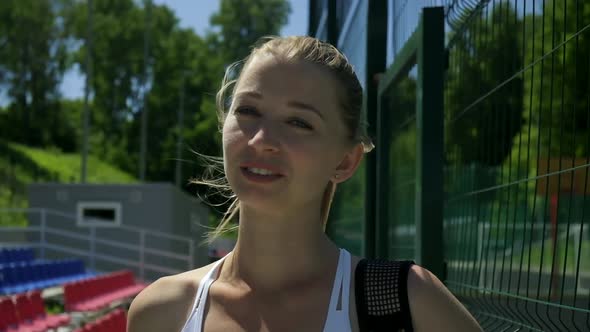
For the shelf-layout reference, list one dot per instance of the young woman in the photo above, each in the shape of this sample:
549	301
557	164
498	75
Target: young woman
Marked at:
291	134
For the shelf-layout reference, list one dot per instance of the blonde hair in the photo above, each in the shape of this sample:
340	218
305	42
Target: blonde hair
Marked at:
294	48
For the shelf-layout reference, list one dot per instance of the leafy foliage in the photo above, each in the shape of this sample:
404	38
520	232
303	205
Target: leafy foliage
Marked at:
41	40
242	22
32	62
484	115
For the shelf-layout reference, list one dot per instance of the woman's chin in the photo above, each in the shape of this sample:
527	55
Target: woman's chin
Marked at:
261	201
258	200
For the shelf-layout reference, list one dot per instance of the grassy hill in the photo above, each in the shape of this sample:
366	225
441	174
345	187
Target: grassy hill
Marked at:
21	165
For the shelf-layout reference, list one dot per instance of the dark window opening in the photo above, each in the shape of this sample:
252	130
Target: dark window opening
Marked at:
99	215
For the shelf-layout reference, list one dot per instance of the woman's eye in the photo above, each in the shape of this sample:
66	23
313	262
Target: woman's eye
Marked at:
246	110
301	124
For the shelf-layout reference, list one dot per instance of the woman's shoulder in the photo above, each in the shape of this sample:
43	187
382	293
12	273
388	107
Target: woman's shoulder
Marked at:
430	305
166	303
433	306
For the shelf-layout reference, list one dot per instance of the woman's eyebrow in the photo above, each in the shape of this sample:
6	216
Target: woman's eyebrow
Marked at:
252	94
293	103
305	107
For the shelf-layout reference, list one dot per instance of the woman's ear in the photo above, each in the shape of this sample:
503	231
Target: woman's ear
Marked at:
349	164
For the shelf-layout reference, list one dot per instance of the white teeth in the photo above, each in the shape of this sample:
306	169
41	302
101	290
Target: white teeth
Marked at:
260	171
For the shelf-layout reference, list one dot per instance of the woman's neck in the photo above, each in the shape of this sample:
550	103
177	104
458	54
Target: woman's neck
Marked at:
279	251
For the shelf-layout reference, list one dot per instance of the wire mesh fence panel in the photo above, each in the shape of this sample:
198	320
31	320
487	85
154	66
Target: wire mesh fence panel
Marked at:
517	154
401	103
345	226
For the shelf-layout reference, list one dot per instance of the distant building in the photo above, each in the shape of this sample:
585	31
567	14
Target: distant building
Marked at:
152	226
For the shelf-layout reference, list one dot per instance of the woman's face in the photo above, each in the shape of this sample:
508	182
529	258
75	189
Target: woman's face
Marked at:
284	136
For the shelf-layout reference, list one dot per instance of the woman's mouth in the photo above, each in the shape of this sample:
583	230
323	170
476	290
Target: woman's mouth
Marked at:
260	175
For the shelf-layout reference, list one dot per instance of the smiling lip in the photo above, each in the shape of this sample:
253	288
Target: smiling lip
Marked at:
258	178
274	170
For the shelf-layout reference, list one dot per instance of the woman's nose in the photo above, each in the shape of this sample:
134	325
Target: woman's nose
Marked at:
265	138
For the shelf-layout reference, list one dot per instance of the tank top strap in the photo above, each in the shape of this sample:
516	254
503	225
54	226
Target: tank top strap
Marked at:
339	320
346	266
337	285
194	320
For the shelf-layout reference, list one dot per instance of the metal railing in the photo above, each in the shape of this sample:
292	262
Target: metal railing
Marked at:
54	234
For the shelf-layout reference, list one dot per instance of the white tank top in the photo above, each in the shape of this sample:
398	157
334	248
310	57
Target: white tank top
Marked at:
337	320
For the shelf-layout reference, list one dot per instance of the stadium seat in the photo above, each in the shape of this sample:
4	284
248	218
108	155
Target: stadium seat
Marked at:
52	321
95	293
115	321
26	313
25	276
10	320
15	255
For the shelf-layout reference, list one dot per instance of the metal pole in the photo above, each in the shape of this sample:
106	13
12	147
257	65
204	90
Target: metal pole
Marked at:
144	113
191	248
93	248
42	235
178	174
429	142
86	117
375	63
480	237
141	254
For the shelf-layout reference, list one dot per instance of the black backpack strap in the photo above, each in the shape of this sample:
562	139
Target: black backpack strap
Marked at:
382	295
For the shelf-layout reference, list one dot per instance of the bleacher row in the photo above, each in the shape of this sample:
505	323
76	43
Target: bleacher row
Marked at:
14	255
19	277
26	312
97	293
85	295
115	321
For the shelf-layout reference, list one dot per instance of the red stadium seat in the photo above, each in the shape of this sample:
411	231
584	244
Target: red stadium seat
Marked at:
114	321
24	309
96	293
51	321
10	319
26	313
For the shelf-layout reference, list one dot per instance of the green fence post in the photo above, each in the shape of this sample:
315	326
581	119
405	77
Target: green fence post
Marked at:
382	186
429	157
405	59
376	59
332	25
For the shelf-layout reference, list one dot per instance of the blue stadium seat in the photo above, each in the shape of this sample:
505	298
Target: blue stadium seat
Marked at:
15	255
3	257
32	275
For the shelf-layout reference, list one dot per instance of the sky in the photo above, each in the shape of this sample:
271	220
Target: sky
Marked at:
195	14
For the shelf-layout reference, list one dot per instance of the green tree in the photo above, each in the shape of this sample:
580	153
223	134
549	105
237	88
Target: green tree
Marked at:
557	94
117	70
484	114
32	62
174	55
483	100
555	99
242	22
178	59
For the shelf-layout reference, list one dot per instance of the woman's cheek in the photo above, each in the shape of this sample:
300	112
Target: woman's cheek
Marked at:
231	134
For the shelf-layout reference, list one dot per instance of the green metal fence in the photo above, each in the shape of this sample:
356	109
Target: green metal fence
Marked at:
482	127
513	176
410	149
517	142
